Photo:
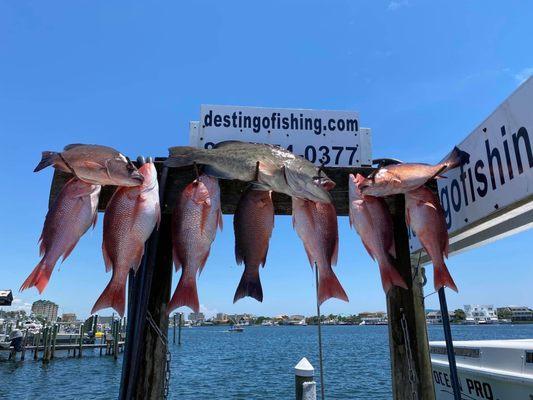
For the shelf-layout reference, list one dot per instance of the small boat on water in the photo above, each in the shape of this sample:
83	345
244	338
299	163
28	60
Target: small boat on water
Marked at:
236	328
487	369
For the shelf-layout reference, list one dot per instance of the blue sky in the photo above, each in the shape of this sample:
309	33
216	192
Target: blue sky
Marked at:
133	74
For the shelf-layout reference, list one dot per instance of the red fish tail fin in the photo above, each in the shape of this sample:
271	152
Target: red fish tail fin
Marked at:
390	276
114	296
456	158
186	294
329	286
39	277
442	277
48	158
250	285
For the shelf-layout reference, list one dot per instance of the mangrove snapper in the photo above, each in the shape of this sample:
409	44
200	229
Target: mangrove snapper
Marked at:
253	223
424	214
316	224
401	178
71	215
100	165
194	223
279	169
130	217
372	220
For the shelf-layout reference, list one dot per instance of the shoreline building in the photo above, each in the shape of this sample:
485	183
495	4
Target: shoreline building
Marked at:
46	309
517	313
197	318
480	314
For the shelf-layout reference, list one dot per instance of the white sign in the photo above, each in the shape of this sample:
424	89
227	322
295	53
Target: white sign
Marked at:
332	138
496	186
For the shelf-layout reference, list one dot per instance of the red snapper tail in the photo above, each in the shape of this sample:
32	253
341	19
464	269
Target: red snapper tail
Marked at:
390	276
39	277
186	294
250	285
442	277
329	286
114	296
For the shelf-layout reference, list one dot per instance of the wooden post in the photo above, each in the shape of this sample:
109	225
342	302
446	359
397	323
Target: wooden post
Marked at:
36	349
54	338
180	323
408	341
303	372
102	341
115	339
81	340
46	338
149	384
174	330
23	354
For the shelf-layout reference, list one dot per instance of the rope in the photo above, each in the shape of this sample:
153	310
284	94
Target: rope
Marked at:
164	340
413	379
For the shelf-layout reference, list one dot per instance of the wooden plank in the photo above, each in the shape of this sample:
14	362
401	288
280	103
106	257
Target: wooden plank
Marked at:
412	353
230	190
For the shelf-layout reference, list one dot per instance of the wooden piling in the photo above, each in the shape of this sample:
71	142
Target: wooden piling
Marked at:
54	339
81	341
37	339
180	323
116	338
174	330
46	338
303	372
23	353
408	341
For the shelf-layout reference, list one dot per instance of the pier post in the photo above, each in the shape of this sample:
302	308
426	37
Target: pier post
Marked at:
37	339
24	343
408	341
180	323
303	373
46	338
81	340
116	337
174	330
54	338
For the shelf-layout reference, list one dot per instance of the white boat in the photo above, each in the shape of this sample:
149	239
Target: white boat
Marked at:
236	328
487	369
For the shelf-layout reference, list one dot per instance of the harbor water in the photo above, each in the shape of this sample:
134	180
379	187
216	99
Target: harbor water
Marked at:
212	363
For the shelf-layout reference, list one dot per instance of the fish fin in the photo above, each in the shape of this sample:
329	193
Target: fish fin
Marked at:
216	172
39	277
201	194
329	286
220	223
138	258
392	247
68	251
231	143
442	277
182	156
42	246
440	177
186	294
94	165
368	249
249	285
114	296
95	219
47	158
456	158
445	245
71	146
335	253
429	204
267	168
259	186
107	260
390	276
202	263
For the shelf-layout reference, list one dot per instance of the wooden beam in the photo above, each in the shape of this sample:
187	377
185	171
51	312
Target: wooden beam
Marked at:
410	360
230	190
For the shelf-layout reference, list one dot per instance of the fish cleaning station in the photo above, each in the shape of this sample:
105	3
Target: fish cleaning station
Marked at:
408	215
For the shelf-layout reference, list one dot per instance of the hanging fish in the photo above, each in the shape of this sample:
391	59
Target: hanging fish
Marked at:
278	169
316	224
372	220
424	214
253	223
71	215
401	178
195	219
92	163
130	218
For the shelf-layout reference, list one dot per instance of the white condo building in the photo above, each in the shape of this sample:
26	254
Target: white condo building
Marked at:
480	314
